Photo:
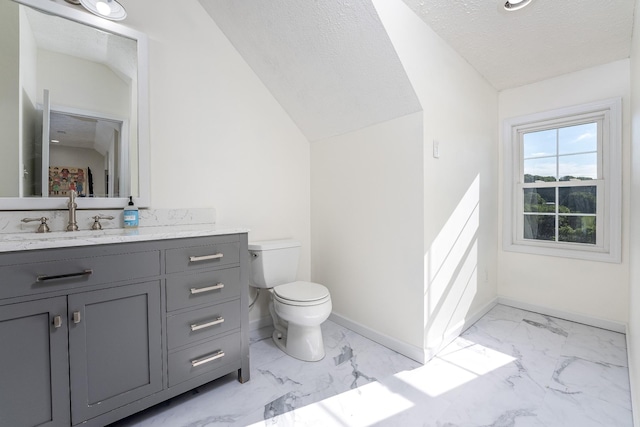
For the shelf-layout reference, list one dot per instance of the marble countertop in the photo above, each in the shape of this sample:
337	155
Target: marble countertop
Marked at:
13	242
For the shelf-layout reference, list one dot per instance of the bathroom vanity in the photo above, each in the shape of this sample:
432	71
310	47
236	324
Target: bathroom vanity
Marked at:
95	327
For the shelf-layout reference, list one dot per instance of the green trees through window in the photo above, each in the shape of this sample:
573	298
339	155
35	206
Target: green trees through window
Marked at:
573	215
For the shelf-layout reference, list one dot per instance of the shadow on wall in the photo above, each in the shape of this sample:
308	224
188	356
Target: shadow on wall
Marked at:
451	272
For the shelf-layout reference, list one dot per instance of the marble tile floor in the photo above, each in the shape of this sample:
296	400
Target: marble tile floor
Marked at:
512	368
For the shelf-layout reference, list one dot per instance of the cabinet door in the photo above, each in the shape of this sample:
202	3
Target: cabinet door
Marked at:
114	348
34	369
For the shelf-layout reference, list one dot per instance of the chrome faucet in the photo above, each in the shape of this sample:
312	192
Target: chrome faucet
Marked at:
73	225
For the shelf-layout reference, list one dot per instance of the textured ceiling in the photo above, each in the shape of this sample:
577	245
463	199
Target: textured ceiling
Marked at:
332	67
71	130
545	39
70	38
330	64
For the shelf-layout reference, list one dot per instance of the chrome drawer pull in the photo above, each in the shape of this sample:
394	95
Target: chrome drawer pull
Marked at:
63	276
57	321
205	257
207	289
207	359
195	326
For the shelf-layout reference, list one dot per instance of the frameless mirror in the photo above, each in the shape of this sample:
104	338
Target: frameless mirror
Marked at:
73	108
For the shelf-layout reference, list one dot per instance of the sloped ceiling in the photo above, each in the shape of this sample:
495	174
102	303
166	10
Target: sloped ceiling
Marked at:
332	67
330	64
81	41
547	38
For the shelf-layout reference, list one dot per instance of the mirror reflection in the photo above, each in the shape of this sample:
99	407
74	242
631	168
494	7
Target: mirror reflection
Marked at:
71	110
84	156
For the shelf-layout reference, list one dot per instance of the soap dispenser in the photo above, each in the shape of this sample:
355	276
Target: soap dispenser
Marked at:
131	215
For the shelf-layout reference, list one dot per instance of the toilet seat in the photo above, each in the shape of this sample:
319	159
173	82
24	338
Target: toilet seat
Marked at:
301	293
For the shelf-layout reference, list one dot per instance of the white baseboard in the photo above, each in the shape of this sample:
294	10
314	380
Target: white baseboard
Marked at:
257	328
411	351
403	348
262	322
566	315
454	332
416	353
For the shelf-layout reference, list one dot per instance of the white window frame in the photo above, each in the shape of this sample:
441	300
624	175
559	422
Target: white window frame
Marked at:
608	245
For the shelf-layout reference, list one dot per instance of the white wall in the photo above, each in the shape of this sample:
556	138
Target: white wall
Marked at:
459	187
28	113
9	98
94	87
380	191
366	226
218	137
594	289
28	58
633	331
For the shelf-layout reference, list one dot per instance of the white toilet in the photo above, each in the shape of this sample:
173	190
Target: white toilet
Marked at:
298	308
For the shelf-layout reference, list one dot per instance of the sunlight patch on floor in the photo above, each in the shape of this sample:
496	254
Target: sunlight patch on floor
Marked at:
364	406
461	363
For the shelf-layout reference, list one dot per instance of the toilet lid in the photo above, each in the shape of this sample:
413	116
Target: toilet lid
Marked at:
301	291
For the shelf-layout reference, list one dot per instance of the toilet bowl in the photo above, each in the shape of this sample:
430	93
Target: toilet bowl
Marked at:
298	308
304	306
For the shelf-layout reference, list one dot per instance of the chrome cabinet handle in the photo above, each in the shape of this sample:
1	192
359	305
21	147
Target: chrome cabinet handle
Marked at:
57	321
44	278
76	317
207	289
210	358
195	326
205	257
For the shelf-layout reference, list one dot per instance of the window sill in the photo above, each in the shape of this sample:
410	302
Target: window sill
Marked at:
585	255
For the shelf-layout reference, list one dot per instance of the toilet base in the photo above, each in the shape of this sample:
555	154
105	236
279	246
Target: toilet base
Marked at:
302	342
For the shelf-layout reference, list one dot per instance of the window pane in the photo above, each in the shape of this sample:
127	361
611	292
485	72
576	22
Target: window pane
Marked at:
540	200
578	166
540	170
538	144
577	199
540	227
578	229
578	139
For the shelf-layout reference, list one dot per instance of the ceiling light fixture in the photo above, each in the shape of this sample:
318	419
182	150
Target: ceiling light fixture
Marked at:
512	5
109	9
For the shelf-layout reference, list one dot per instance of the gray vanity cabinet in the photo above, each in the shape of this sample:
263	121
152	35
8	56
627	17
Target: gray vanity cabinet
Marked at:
206	305
115	351
91	335
34	373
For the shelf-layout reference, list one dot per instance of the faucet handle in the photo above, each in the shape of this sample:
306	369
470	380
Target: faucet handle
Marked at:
43	228
96	221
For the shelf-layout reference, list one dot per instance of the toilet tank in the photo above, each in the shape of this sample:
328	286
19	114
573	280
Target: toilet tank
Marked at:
274	262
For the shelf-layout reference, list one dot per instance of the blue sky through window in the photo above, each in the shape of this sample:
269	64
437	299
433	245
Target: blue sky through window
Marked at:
566	151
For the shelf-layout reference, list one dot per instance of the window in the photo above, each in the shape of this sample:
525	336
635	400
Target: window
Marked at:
563	182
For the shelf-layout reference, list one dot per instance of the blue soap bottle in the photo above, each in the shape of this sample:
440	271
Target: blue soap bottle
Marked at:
131	218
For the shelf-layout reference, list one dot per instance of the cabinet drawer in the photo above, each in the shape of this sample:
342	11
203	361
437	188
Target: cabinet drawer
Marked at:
203	323
202	358
65	274
202	288
212	253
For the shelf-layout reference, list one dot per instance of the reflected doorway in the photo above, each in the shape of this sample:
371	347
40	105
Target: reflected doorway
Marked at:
86	153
